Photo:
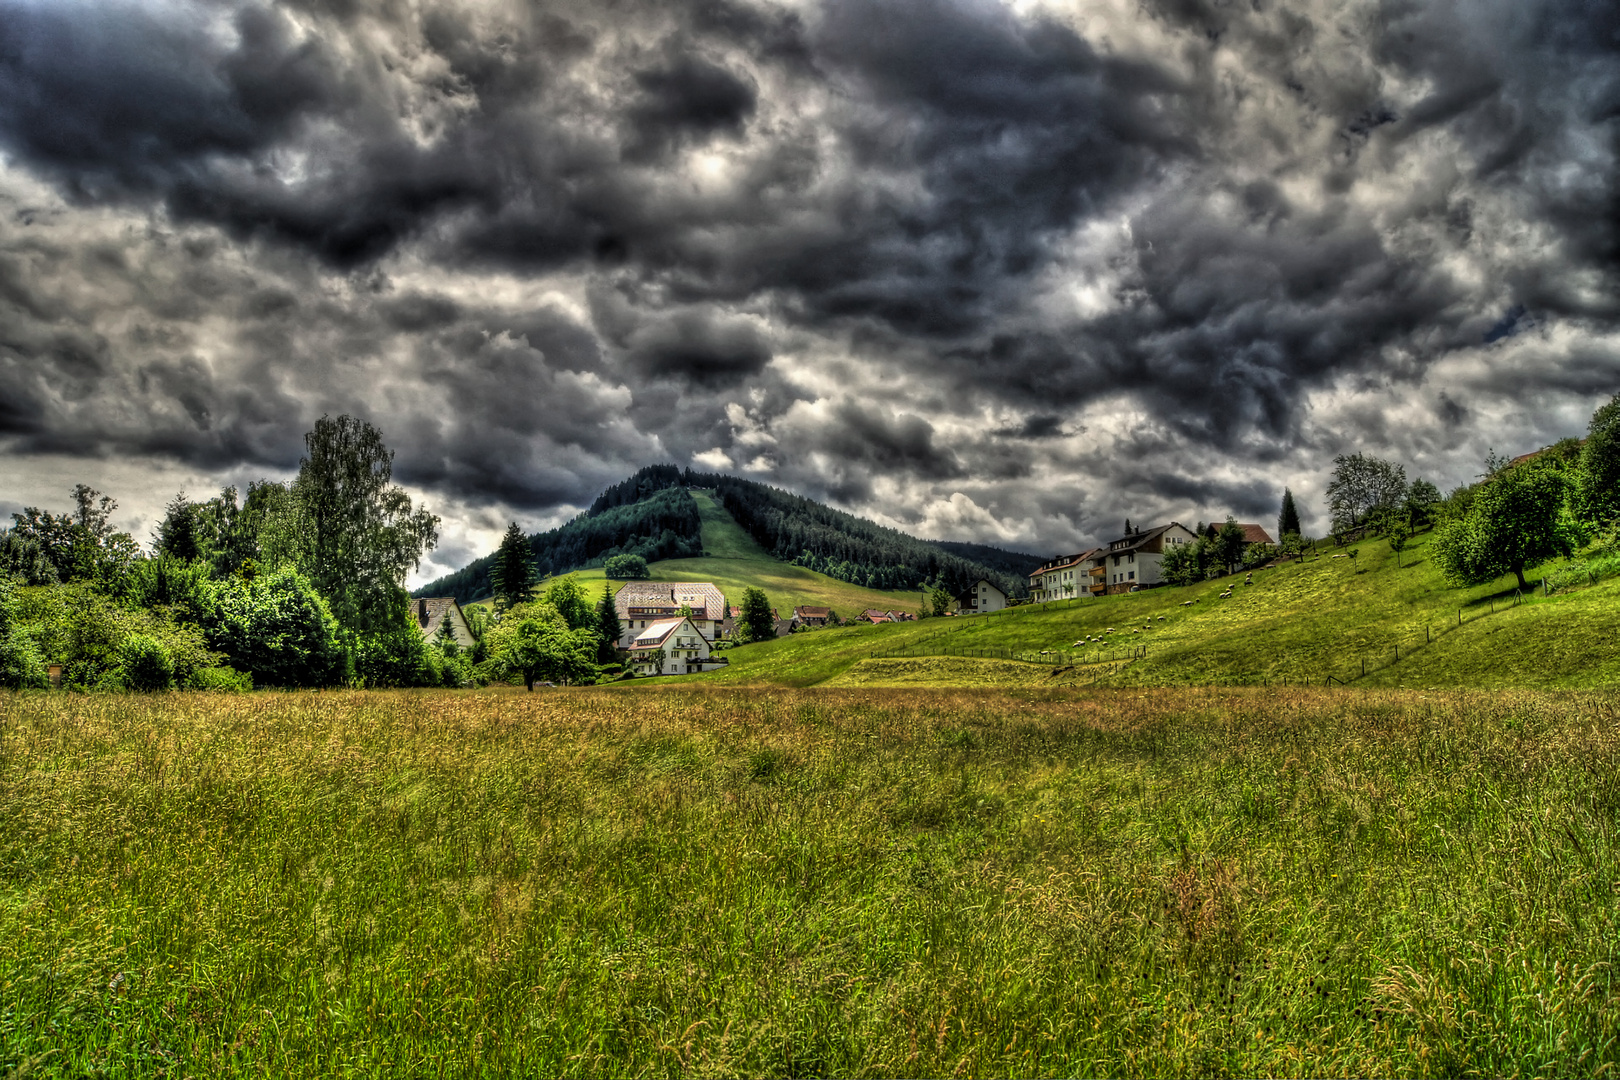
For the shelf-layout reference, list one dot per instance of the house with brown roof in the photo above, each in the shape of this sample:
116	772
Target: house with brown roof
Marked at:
812	616
642	603
433	613
1255	534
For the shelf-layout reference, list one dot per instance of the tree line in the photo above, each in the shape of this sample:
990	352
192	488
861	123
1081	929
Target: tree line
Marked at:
806	533
297	584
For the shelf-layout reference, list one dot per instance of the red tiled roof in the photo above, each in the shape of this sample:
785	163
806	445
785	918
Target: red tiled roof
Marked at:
1255	534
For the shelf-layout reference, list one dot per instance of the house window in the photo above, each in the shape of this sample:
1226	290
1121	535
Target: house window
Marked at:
1133	575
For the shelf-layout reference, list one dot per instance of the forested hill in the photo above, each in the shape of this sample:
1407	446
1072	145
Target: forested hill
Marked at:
801	531
1017	563
651	514
662	524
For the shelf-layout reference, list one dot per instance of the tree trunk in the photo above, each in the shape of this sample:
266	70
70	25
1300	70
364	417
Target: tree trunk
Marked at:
1518	571
528	681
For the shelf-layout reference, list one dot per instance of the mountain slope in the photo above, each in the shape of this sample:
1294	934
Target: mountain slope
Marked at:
841	545
653	514
734	561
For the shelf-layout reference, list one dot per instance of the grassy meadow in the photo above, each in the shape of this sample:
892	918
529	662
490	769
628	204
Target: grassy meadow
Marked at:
693	881
1304	620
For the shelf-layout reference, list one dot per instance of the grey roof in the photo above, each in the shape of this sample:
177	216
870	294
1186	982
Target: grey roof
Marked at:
430	613
702	597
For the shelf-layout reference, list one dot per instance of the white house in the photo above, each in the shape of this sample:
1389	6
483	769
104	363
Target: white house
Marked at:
432	613
982	597
683	648
1133	561
641	604
1064	577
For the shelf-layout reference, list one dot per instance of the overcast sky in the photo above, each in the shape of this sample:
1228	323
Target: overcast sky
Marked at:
999	272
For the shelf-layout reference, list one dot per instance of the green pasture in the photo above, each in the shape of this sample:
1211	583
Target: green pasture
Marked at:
1300	621
913	882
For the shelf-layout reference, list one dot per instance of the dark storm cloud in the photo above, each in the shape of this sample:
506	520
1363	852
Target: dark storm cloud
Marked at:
917	247
687	96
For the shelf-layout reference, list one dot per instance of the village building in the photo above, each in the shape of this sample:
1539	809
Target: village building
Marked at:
812	616
1133	561
433	613
640	604
1064	577
981	598
671	647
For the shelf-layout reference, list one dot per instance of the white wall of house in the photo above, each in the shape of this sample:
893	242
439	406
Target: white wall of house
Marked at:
685	648
982	597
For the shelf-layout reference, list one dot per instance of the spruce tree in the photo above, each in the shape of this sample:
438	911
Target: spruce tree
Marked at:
514	570
1288	519
607	623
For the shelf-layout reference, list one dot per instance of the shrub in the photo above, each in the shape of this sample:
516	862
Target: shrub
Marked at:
397	658
20	663
144	664
220	678
277	628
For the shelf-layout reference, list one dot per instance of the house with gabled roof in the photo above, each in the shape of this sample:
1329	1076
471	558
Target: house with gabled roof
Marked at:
434	613
642	603
671	647
1063	577
981	598
1132	561
812	616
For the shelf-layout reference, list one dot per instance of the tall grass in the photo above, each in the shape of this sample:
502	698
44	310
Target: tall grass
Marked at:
852	882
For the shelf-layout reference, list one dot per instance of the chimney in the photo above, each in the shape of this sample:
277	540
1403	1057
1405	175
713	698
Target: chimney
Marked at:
421	612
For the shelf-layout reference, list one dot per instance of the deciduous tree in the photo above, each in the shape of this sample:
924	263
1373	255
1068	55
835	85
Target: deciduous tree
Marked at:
1516	521
1597	494
361	535
1360	485
757	621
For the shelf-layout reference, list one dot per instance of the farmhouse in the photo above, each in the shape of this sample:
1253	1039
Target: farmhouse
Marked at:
1132	561
671	647
434	613
1064	576
983	597
640	604
812	616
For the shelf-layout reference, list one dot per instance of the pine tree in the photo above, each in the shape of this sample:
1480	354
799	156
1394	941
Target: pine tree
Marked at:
1288	519
514	576
607	623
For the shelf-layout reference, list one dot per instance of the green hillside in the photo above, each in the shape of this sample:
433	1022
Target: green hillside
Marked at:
733	561
1324	617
